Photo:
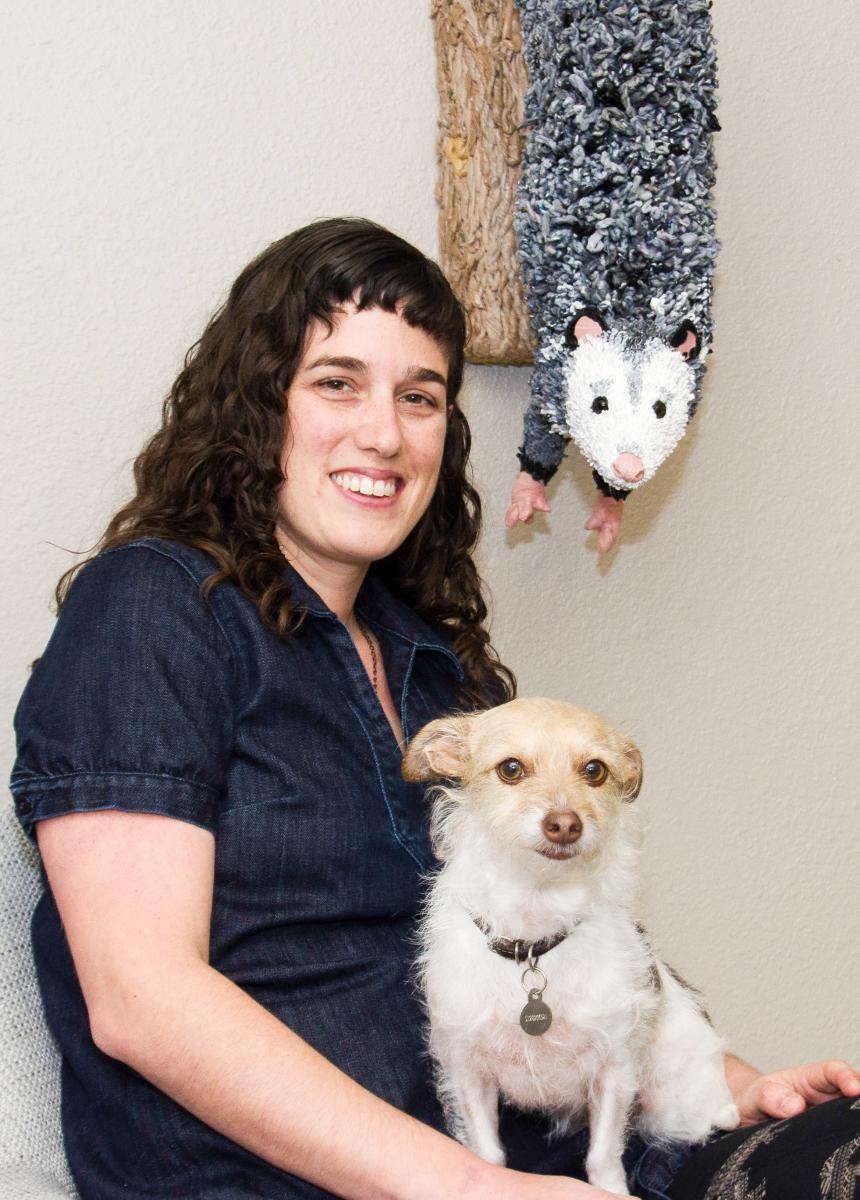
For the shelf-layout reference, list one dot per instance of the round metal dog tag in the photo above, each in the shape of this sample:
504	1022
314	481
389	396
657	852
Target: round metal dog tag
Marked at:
536	1017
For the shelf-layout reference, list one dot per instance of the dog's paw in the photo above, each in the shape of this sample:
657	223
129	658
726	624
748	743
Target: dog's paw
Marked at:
490	1154
727	1117
610	1179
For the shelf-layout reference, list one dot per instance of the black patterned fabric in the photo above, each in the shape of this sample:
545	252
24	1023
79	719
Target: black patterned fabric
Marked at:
814	1156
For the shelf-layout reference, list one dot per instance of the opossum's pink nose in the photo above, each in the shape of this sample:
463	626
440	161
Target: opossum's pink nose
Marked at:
629	467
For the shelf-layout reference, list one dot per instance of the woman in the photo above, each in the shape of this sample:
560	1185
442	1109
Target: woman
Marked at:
209	755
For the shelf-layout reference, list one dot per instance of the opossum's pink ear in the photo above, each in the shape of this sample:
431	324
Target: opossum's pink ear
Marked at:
438	751
587	323
686	341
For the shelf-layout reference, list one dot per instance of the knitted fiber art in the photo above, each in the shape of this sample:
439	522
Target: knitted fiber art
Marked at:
615	229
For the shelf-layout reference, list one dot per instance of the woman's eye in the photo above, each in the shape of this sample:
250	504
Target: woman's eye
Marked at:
595	772
419	399
337	387
659	408
510	770
599	404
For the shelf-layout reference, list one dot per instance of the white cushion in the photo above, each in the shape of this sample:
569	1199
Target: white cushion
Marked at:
32	1161
28	1183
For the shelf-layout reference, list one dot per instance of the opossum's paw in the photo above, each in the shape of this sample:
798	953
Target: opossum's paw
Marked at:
527	498
727	1117
606	516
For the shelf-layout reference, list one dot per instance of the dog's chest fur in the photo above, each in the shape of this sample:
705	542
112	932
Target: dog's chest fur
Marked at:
598	988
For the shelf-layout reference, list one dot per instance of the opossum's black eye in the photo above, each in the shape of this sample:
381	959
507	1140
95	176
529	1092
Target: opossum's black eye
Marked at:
510	770
659	409
595	772
599	404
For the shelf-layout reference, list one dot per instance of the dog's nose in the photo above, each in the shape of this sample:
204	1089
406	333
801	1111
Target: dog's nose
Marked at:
563	827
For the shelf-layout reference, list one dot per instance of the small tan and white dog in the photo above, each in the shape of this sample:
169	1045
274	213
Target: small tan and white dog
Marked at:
540	986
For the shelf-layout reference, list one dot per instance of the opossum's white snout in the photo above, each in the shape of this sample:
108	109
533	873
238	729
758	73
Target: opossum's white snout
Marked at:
629	467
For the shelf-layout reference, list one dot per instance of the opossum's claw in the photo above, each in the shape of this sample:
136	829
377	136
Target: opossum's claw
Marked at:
527	498
606	517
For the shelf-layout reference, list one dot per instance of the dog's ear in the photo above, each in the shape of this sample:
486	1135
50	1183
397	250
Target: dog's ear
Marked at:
631	778
438	751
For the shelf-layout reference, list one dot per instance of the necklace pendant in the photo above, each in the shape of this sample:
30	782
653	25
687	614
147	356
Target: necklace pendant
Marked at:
536	1017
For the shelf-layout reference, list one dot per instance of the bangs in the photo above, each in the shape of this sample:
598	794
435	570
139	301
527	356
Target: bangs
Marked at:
395	277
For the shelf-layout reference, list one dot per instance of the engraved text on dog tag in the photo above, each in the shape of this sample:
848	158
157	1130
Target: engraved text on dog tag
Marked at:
536	1017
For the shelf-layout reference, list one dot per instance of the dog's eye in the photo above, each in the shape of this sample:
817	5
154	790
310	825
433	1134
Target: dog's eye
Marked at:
510	770
595	772
599	404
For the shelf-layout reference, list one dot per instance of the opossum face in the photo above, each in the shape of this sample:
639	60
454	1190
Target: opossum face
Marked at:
627	400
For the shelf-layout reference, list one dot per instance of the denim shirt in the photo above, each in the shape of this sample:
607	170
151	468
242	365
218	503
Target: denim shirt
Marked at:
147	700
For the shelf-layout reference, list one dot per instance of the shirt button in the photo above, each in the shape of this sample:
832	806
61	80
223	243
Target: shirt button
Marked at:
23	805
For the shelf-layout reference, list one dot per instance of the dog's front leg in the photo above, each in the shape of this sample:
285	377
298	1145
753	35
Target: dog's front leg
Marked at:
609	1103
472	1107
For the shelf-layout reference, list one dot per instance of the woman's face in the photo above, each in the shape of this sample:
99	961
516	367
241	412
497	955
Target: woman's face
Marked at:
366	421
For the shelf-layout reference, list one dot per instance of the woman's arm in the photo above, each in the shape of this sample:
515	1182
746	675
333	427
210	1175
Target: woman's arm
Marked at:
135	893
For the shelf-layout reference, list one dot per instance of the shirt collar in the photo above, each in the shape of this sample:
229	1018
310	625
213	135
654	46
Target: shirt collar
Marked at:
380	607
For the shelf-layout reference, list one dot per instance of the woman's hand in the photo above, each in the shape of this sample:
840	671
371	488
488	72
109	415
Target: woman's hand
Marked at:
789	1092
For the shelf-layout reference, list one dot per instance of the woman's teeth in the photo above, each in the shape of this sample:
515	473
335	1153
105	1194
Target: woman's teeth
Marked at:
365	485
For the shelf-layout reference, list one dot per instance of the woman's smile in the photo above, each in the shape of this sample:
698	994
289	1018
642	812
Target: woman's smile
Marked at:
366	483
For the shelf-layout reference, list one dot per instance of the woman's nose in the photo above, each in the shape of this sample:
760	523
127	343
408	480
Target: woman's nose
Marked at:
378	427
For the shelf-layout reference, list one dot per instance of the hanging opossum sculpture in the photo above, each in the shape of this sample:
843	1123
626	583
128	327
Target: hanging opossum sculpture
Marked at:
616	238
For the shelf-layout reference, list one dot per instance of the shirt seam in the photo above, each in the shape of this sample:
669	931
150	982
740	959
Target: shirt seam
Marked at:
380	776
24	783
140	544
407	680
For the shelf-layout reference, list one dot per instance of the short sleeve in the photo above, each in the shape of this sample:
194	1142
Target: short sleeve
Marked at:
132	704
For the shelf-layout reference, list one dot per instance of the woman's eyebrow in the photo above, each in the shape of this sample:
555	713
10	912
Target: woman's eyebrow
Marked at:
424	375
345	363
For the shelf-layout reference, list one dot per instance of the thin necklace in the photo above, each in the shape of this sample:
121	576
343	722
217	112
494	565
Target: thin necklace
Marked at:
372	648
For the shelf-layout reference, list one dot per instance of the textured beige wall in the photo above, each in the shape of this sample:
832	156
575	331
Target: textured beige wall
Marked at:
724	631
153	149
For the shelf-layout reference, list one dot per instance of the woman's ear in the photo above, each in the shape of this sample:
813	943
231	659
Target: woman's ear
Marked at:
438	751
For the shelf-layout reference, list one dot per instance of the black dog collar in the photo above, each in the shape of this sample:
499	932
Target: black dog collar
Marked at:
518	949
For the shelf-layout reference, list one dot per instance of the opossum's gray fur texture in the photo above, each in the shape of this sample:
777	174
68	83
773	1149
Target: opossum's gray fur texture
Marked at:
613	209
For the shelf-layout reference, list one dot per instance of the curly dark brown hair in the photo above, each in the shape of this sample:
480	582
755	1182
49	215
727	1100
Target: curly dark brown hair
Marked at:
210	475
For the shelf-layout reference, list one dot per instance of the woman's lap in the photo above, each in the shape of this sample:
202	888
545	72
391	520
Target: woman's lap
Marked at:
814	1156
